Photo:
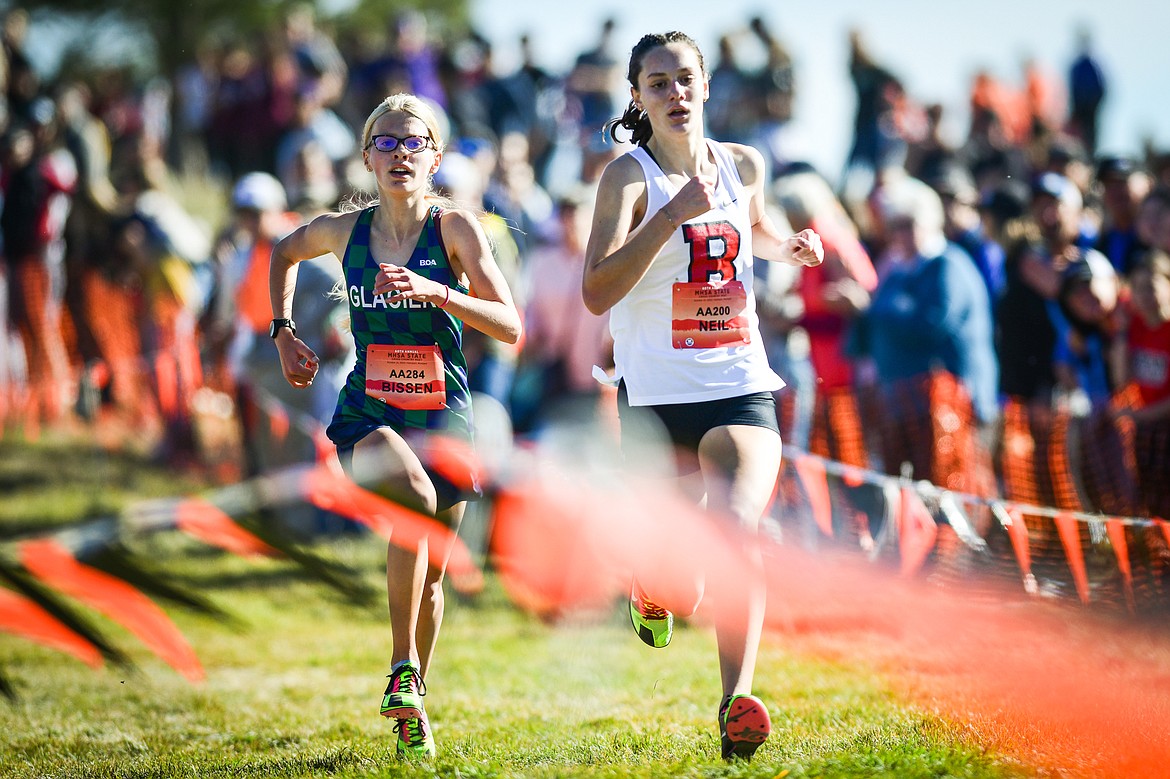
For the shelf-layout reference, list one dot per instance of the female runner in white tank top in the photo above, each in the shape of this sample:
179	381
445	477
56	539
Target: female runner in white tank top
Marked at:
677	224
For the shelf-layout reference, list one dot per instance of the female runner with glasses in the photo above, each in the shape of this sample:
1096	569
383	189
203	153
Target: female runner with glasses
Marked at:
409	262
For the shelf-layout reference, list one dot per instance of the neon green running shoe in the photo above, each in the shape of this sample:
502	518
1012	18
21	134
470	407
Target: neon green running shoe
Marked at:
415	741
653	624
404	693
744	725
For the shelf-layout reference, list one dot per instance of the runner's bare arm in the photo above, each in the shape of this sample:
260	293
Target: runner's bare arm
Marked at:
326	234
768	243
491	309
615	263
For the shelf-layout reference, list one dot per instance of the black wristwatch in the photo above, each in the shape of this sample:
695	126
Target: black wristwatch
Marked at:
274	328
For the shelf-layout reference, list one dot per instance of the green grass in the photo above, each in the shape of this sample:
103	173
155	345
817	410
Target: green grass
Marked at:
294	692
60	480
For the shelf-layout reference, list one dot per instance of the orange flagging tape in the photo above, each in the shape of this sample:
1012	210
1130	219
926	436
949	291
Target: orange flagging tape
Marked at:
52	563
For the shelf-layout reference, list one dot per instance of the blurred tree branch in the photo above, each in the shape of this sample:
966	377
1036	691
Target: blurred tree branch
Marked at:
180	26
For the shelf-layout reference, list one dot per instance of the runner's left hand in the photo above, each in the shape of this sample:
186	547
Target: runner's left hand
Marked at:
805	249
395	281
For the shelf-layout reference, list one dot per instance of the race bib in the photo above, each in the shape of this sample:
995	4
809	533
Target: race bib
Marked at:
704	315
406	377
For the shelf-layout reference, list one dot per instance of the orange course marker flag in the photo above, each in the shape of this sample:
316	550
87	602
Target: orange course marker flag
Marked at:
166	374
1116	530
325	449
326	487
917	532
51	563
278	422
453	459
1018	532
207	522
542	551
812	476
853	476
1070	538
22	617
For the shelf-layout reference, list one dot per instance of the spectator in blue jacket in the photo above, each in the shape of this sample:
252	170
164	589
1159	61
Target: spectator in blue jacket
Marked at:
930	309
927	334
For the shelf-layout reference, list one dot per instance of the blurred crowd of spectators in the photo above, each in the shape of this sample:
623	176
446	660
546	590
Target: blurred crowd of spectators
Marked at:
975	297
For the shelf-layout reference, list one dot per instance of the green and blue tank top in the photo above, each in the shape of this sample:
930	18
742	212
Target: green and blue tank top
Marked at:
378	320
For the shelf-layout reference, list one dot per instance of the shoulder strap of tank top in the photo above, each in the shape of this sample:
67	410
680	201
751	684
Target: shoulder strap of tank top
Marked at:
726	164
650	167
357	248
650	154
436	218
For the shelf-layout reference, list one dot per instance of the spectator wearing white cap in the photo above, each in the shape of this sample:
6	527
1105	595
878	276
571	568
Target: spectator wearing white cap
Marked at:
239	311
928	332
930	310
237	335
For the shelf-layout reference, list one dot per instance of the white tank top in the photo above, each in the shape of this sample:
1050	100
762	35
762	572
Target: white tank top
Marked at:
688	331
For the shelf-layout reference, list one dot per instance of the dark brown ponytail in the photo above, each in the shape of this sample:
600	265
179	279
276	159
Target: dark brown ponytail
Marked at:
634	120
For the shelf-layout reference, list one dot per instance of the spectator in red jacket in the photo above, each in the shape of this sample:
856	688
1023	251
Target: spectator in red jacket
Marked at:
38	188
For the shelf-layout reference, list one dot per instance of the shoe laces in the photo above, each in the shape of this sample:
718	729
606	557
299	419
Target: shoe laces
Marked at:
649	609
413	732
406	679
